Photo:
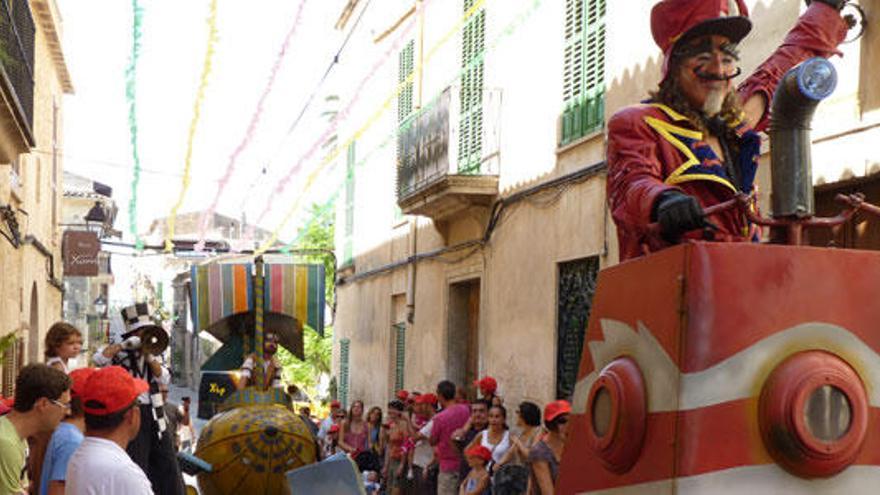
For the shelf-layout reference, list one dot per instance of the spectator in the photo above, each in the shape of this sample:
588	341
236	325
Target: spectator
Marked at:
305	414
66	438
353	432
477	480
512	478
187	432
63	342
174	417
374	424
495	437
329	420
488	388
271	366
101	466
544	457
331	442
399	431
452	417
371	482
152	449
42	399
462	437
422	457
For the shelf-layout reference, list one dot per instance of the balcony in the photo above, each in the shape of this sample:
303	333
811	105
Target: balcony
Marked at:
17	32
448	159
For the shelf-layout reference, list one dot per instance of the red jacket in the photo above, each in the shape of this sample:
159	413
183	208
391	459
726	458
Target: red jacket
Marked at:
652	149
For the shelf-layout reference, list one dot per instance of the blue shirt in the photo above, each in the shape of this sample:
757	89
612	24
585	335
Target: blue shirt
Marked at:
65	440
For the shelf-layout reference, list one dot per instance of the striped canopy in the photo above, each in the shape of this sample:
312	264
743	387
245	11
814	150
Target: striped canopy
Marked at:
221	290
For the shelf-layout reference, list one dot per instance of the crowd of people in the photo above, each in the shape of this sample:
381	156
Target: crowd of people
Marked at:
96	430
440	443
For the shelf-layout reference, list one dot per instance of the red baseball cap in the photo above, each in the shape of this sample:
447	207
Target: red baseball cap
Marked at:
479	451
334	428
674	21
487	384
555	409
428	398
113	389
335	404
402	394
80	376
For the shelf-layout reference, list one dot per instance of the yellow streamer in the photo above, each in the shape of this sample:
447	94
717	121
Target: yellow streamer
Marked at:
369	123
197	111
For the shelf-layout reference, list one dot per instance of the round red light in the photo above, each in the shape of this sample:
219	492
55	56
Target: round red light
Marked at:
617	414
813	414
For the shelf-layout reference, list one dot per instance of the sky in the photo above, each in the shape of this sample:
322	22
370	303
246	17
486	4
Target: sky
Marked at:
97	43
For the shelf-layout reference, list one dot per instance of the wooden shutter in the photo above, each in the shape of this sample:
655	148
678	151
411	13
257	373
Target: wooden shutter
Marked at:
344	349
583	78
399	335
470	137
348	233
405	68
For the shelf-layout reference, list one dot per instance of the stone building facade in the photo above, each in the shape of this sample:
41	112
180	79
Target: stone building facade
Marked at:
472	221
33	82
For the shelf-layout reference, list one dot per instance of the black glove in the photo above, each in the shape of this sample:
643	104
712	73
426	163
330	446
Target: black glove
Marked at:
837	4
678	213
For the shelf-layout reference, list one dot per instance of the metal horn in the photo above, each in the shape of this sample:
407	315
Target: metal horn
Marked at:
155	340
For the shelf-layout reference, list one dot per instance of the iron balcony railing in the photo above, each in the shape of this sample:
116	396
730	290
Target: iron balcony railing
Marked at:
17	33
442	140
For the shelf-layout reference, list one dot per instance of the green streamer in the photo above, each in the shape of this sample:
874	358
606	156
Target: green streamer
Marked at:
131	99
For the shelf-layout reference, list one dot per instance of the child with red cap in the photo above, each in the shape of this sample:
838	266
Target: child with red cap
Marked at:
101	466
477	480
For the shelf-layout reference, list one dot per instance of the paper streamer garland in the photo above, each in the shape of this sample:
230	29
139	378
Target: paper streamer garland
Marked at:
131	99
197	110
410	121
249	133
369	123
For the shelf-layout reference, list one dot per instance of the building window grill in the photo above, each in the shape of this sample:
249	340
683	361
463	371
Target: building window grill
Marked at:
577	284
470	137
17	35
344	349
398	334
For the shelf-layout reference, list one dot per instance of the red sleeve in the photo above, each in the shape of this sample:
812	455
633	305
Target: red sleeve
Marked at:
816	34
635	174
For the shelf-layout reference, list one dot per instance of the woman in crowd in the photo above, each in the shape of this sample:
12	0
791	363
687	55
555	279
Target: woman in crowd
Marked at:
496	437
512	478
399	431
354	431
63	342
374	427
545	455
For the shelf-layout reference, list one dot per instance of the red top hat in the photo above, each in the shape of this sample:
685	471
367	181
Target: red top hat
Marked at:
674	21
113	389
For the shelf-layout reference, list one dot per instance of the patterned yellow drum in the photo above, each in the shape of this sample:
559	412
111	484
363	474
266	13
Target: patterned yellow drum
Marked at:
252	446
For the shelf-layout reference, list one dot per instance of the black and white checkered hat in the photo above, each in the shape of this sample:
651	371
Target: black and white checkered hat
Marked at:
137	317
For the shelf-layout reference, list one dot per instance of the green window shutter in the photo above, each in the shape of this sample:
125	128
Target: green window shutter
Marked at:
344	348
406	66
399	354
470	135
348	233
583	80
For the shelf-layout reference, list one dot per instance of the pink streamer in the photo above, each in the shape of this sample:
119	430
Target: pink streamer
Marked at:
249	133
334	124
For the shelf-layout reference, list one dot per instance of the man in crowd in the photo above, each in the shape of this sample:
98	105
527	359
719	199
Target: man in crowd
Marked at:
66	438
463	436
42	399
152	448
101	466
453	416
422	456
329	420
173	417
694	143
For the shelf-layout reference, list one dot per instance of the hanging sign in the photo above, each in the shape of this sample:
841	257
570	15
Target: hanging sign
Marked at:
80	253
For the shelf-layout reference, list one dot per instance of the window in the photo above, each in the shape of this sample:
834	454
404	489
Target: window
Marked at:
348	233
406	66
398	343
470	135
344	346
583	80
577	284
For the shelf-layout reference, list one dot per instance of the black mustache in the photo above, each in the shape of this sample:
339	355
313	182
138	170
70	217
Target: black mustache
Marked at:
714	77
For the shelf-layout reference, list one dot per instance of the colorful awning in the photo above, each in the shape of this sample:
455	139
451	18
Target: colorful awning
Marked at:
221	290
